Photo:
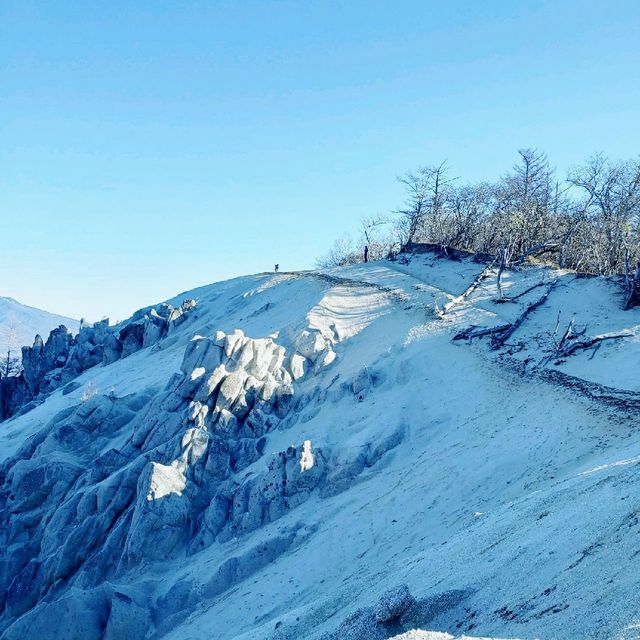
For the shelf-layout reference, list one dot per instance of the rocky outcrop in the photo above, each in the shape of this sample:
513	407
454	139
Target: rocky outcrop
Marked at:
237	509
42	358
233	390
76	514
392	604
148	326
14	394
398	615
54	363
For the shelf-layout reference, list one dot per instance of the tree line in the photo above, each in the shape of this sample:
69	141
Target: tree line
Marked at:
588	221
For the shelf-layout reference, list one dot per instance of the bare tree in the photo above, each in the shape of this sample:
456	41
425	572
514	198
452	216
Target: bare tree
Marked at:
342	252
426	195
468	209
588	223
612	205
370	225
525	198
378	235
416	204
10	363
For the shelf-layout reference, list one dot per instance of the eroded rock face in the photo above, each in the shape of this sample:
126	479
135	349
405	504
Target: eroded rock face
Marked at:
14	394
230	377
60	499
127	618
42	358
77	513
289	480
54	363
233	390
78	614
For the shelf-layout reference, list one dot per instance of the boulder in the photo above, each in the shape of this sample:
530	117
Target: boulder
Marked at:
127	619
177	316
393	603
131	337
41	358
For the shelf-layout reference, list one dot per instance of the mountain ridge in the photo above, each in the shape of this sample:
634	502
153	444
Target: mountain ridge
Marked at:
303	445
29	321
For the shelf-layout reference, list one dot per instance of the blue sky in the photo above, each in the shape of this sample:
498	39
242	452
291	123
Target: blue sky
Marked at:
152	146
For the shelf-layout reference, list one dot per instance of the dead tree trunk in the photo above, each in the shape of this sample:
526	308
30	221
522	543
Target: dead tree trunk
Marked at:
501	266
474	332
575	345
471	288
501	333
498	340
524	293
568	337
538	250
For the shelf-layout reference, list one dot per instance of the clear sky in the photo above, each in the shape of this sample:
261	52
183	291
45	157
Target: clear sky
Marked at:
152	146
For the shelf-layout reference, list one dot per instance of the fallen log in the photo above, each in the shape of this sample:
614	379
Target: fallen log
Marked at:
619	398
576	345
538	250
523	293
498	341
474	332
471	288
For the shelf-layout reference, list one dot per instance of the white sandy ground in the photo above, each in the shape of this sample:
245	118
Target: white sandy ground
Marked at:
521	494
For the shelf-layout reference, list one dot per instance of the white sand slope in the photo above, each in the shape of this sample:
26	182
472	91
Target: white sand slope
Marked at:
340	445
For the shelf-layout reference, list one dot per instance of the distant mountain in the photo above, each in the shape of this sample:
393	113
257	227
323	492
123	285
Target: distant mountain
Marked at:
24	322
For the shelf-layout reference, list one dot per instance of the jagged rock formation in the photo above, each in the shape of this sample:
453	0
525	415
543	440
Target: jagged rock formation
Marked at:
175	486
42	359
19	323
56	362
